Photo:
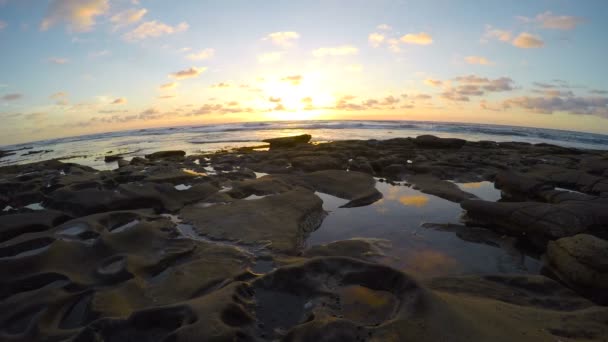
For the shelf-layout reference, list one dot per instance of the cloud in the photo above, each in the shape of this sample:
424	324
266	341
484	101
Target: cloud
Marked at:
153	29
433	83
527	41
493	33
120	100
599	92
127	17
590	105
550	21
101	53
294	79
384	27
3	25
283	39
188	73
274	99
221	85
79	15
375	39
201	55
464	87
389	101
477	60
58	60
12	97
342	50
221	109
421	38
167	86
270	57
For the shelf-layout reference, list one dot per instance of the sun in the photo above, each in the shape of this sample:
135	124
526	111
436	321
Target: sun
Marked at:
305	99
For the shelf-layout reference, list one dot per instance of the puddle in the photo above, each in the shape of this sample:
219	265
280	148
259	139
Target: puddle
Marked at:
254	197
263	266
182	187
125	226
366	306
260	174
399	216
35	206
569	190
484	190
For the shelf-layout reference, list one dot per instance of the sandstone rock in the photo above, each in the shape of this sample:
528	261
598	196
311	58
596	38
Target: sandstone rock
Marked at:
283	219
173	155
288	141
431	141
539	222
582	261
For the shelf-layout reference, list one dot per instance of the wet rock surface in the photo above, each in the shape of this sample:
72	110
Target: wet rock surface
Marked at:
200	247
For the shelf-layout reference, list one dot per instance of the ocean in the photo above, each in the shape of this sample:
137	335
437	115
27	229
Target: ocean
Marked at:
91	149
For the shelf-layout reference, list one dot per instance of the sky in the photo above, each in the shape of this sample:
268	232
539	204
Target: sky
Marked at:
73	67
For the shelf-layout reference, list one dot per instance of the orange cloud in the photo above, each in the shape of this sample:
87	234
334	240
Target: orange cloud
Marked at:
188	73
528	41
421	38
79	15
477	60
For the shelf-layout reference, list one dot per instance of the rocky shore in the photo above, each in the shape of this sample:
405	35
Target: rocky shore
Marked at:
212	247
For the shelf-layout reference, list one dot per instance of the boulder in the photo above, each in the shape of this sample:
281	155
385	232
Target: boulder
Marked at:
173	155
581	261
282	220
288	141
431	141
539	222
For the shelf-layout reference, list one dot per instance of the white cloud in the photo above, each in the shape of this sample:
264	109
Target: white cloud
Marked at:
477	60
201	55
375	39
101	53
188	73
283	39
384	27
494	33
270	57
128	17
153	29
421	38
79	15
526	40
342	50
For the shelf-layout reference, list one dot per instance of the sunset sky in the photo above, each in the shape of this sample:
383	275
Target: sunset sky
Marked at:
71	67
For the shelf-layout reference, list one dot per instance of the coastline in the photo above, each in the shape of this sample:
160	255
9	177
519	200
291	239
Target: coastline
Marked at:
214	245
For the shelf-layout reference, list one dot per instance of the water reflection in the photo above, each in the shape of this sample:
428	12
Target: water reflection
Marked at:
484	190
416	201
420	249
